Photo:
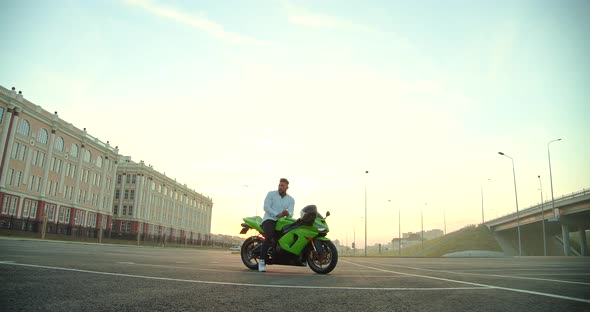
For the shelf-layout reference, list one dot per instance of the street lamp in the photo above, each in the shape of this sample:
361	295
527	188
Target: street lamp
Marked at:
367	172
399	229
543	217
481	189
422	225
551	178
516	196
445	219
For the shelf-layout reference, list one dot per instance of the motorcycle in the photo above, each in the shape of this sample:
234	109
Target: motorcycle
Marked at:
300	242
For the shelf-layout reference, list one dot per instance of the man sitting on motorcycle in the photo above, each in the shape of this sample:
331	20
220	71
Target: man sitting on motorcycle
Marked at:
277	204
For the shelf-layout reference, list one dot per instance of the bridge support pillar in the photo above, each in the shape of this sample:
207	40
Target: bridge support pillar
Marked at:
583	243
565	234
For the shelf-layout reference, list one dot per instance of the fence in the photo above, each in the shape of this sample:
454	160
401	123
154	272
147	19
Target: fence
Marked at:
11	226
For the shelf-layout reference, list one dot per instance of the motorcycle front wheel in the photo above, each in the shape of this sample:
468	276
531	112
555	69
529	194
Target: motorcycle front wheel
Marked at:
251	252
323	263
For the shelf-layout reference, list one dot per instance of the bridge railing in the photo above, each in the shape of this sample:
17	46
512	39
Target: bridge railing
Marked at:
561	199
538	206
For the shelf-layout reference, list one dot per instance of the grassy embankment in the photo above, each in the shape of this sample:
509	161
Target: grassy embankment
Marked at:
471	238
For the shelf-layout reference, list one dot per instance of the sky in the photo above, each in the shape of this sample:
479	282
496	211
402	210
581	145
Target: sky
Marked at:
230	96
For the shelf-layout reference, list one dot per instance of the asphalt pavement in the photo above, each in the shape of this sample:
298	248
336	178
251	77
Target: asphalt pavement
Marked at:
38	275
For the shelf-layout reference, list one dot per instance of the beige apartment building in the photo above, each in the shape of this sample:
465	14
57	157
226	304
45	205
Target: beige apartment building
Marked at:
58	179
149	204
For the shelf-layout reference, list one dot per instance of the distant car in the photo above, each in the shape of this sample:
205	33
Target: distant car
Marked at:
234	248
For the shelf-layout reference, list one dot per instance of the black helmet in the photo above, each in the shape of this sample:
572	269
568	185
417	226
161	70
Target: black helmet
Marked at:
308	214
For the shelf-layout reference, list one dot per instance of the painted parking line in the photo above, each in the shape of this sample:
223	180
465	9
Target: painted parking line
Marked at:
243	284
474	284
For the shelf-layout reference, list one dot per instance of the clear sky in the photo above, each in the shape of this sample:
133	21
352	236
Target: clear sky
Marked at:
230	96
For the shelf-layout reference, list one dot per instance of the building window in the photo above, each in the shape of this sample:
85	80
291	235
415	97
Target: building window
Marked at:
116	209
128	179
23	152
99	162
1	114
33	212
74	150
133	177
124	212
130	210
59	144
117	194
43	135
87	156
18	177
50	212
91	220
126	194
26	208
79	217
15	147
24	127
41	160
119	179
31	183
10	176
64	215
132	194
35	156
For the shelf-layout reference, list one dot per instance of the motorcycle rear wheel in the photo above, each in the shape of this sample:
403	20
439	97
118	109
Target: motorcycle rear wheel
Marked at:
250	252
326	263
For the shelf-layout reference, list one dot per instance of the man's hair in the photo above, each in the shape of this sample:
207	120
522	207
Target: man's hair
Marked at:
284	180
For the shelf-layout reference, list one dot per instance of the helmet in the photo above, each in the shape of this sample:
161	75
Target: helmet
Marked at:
308	214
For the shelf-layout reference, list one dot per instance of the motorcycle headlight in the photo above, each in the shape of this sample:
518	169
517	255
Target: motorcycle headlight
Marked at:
322	228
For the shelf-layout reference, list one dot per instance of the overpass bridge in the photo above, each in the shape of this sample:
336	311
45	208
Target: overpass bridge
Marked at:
571	214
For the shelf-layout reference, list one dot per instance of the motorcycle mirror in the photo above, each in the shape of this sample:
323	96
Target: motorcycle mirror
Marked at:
327	214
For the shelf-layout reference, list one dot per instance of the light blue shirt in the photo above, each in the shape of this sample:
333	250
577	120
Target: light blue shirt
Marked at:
274	204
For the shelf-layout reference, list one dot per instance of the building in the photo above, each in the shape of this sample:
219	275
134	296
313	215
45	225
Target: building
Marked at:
58	179
52	174
156	207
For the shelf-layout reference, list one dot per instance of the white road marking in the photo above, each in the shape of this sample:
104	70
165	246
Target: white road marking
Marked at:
243	284
125	262
475	284
490	275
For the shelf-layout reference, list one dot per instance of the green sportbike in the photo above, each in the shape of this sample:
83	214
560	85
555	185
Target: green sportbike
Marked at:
300	242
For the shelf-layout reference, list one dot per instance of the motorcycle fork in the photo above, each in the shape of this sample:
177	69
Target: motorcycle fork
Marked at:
317	247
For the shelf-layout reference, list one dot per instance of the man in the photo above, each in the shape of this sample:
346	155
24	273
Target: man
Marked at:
277	204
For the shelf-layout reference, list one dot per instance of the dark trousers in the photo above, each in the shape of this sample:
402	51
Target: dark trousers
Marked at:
268	227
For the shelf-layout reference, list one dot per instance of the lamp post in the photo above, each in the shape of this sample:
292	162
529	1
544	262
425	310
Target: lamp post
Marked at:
445	219
422	225
543	217
517	212
399	229
367	172
481	189
551	178
354	240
